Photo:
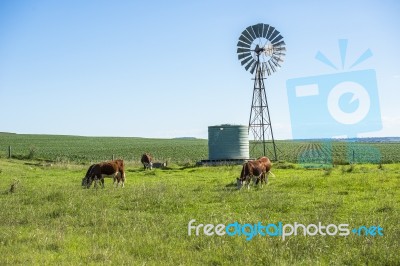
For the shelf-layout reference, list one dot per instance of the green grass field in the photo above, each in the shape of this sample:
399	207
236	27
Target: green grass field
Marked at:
50	219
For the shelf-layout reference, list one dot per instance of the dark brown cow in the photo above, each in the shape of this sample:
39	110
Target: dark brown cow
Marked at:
258	169
147	161
96	172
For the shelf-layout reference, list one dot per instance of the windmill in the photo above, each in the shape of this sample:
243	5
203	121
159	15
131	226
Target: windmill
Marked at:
261	50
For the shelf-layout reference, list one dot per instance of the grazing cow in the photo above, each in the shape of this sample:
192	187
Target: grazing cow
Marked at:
258	169
114	169
147	161
250	169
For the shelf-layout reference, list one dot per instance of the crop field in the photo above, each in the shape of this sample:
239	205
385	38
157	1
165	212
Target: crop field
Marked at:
185	151
47	218
88	149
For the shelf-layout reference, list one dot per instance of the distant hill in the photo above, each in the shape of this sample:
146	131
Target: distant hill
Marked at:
185	138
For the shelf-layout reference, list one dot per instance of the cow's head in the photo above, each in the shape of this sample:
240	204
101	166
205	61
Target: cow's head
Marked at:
84	181
87	182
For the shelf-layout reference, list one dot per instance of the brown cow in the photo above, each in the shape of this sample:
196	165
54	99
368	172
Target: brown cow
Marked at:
147	161
258	169
96	172
266	167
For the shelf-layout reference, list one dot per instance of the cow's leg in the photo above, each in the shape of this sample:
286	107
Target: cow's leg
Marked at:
122	178
115	180
261	179
119	179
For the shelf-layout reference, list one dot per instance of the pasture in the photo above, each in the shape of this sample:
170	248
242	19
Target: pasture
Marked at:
47	218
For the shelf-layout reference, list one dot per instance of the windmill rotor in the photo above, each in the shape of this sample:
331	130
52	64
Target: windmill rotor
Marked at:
261	44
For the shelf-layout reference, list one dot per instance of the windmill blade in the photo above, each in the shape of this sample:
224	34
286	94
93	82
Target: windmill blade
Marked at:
244	55
270	30
243	50
280	48
277	39
272	67
247	36
251	32
274	34
257	29
253	67
275	61
261	30
249	64
246	60
244	39
281	43
278	59
278	54
265	30
242	44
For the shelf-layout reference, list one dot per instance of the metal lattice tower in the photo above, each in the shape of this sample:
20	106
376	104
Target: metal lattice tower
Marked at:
260	120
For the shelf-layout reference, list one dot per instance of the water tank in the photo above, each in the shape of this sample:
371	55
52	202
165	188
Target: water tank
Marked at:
226	142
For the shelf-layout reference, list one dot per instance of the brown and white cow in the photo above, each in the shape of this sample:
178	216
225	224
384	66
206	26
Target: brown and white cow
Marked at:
96	172
258	169
147	161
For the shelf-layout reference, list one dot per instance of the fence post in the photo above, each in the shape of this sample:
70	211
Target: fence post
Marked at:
113	157
9	152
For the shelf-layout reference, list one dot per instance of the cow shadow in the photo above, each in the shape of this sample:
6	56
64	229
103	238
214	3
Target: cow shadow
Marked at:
231	185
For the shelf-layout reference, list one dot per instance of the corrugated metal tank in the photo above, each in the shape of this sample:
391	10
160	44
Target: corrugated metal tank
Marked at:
228	142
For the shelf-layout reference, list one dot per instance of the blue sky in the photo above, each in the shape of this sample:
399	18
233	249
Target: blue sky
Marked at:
170	69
